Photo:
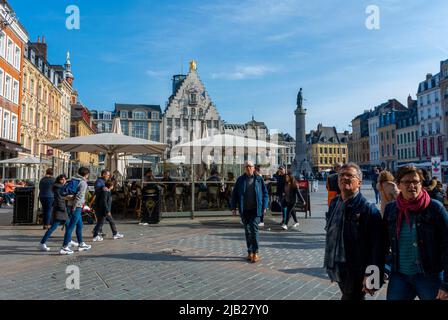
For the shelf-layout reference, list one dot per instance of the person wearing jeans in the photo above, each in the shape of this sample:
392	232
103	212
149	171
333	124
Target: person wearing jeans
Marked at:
60	215
46	196
251	197
76	214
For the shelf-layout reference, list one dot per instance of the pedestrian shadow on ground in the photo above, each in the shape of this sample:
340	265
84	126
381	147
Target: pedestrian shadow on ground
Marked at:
314	272
166	257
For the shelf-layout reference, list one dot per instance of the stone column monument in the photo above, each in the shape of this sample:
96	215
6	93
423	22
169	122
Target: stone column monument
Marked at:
301	165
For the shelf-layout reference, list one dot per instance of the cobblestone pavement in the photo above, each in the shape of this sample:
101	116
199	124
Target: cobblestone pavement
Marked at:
177	259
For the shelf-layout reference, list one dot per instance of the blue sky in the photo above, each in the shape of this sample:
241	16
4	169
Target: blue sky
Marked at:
252	55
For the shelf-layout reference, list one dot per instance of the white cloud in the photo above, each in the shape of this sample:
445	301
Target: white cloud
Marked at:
244	72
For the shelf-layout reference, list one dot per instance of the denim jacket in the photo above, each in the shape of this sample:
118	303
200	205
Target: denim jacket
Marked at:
432	238
261	193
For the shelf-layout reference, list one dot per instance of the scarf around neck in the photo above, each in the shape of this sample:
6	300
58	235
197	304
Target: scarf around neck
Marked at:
406	206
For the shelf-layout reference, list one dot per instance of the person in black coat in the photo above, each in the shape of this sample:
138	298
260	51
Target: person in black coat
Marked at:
104	211
60	215
355	239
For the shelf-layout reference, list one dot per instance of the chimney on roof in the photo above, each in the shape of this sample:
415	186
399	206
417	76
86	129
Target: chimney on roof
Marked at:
410	101
41	47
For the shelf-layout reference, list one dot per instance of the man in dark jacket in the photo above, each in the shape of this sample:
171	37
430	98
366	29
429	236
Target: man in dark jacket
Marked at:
251	197
46	196
104	211
355	238
100	184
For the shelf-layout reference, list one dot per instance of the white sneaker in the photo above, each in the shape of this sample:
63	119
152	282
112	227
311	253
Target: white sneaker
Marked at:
43	247
84	247
284	227
73	244
98	239
261	224
145	224
118	236
296	225
65	251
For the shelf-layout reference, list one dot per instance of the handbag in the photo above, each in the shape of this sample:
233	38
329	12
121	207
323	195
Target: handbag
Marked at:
276	206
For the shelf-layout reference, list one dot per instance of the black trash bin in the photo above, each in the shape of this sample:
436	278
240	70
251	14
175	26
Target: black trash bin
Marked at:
151	203
24	205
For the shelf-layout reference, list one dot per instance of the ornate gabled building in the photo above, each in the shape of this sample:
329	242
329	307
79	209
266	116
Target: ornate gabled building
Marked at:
327	147
187	108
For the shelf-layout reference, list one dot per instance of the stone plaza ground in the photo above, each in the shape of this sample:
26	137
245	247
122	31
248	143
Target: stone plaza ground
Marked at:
180	258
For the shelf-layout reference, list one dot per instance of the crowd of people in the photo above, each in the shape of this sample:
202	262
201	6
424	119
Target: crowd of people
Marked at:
406	238
62	204
403	235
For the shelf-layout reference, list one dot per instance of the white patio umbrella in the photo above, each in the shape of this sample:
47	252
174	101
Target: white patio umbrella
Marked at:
229	141
108	143
116	163
26	160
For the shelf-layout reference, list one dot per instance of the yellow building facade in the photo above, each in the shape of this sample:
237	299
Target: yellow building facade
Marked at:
328	147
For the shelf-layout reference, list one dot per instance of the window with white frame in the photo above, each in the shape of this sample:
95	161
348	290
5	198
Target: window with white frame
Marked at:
15	91
14	123
8	86
31	115
123	114
6	125
10	51
17	57
2	44
155	115
2	82
139	115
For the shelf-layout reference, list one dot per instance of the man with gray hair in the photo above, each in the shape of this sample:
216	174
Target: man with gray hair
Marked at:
250	196
355	237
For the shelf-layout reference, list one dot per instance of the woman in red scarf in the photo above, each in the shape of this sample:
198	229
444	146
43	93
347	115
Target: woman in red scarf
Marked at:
418	237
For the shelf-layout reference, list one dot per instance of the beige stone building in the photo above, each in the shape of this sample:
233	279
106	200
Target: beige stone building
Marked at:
44	115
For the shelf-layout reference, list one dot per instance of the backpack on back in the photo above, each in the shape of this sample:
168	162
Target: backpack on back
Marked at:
71	187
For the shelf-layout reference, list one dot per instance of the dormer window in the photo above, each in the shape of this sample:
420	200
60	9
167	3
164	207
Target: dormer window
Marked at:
193	98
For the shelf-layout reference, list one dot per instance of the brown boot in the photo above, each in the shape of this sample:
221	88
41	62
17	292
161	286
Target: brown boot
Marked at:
255	258
249	257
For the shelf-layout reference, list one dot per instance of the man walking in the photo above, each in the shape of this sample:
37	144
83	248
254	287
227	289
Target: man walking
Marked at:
80	184
100	184
355	237
250	196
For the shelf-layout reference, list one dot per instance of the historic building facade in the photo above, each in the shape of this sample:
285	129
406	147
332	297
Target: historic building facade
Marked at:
407	134
42	118
188	108
13	38
82	125
444	100
327	147
432	124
